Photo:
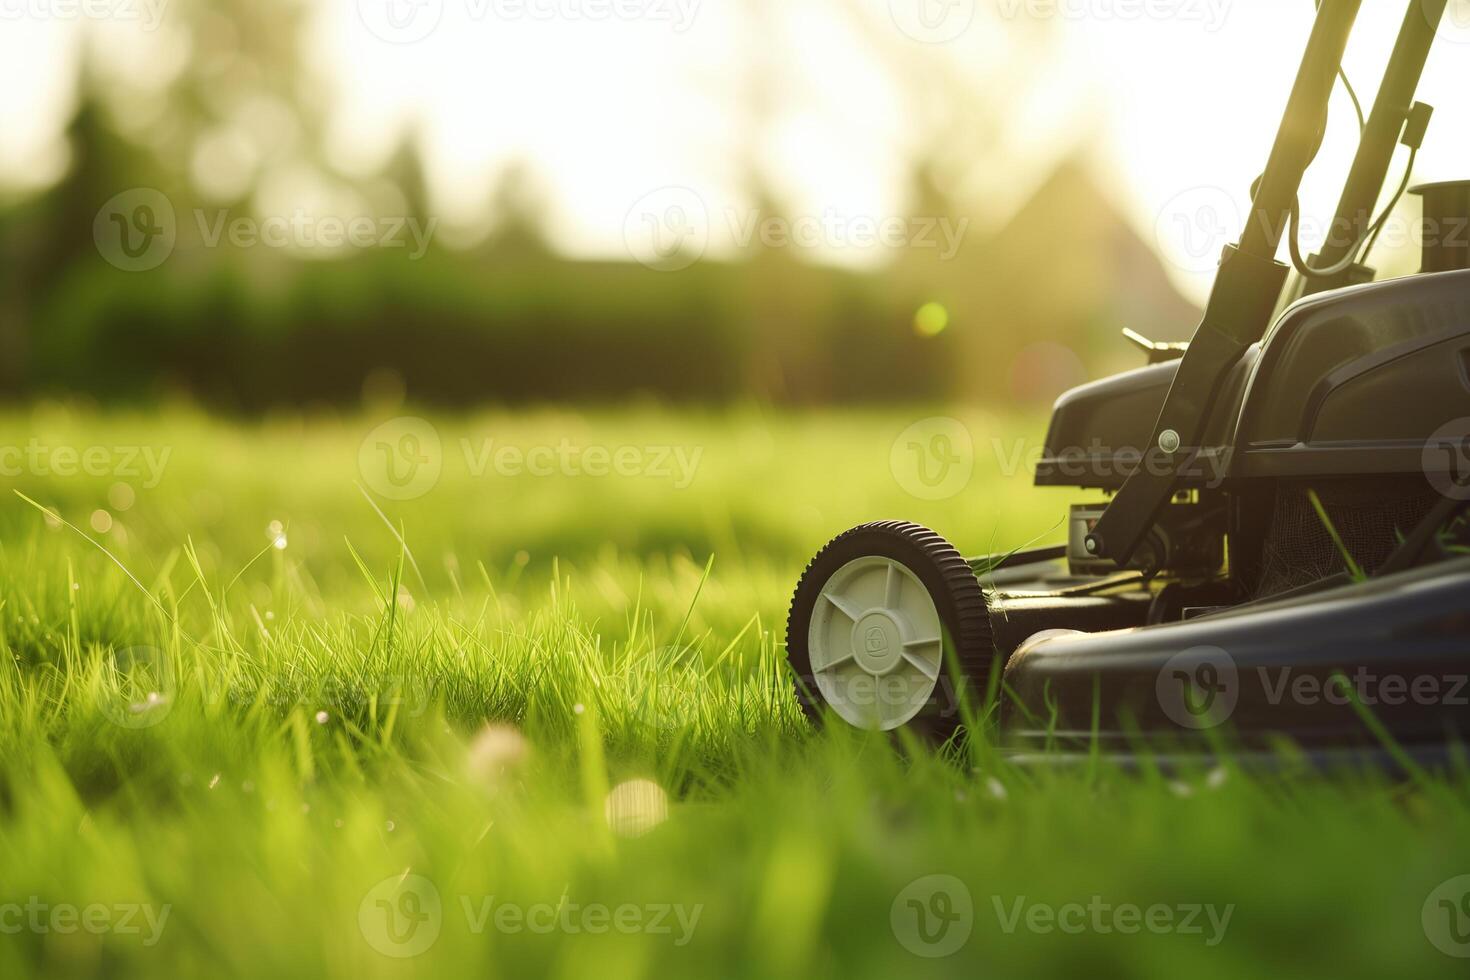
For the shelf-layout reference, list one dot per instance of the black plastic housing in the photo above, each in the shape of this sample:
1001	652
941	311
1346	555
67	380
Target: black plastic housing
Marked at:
1289	669
1351	382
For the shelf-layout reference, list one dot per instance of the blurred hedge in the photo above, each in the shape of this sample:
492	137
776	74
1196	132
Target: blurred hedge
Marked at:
245	331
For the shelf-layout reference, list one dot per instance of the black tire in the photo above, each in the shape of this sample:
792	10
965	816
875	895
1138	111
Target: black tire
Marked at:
968	649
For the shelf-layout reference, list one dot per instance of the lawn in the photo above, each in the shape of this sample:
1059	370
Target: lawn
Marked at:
504	696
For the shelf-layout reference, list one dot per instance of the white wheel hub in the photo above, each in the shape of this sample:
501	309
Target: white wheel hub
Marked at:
876	643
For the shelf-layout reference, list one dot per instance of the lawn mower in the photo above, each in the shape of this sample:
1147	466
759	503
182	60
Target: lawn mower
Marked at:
1283	556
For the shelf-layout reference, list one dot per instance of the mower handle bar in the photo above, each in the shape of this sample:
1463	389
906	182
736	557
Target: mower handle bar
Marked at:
1250	280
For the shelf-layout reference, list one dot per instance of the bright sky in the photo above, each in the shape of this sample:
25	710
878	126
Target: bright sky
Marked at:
1178	108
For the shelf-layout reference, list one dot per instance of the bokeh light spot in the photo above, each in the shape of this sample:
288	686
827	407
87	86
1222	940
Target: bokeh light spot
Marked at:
635	807
931	319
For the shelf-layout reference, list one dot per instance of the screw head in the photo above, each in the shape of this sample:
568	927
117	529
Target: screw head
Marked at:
1169	441
1092	544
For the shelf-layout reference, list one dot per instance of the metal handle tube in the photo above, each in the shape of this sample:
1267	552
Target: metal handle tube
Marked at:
1300	135
1380	138
1245	293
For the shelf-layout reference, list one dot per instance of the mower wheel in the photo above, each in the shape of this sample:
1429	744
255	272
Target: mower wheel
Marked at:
888	628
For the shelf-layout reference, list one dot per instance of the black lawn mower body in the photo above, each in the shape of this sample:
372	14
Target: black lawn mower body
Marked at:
1352	399
1284	556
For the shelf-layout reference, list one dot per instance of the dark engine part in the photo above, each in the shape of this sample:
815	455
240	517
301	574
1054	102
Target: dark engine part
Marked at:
1446	227
1187	539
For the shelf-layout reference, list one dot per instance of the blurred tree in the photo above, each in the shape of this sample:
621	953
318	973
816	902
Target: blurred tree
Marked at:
46	237
405	169
221	110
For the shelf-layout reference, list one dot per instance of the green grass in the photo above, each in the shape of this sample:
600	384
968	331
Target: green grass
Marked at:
551	665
